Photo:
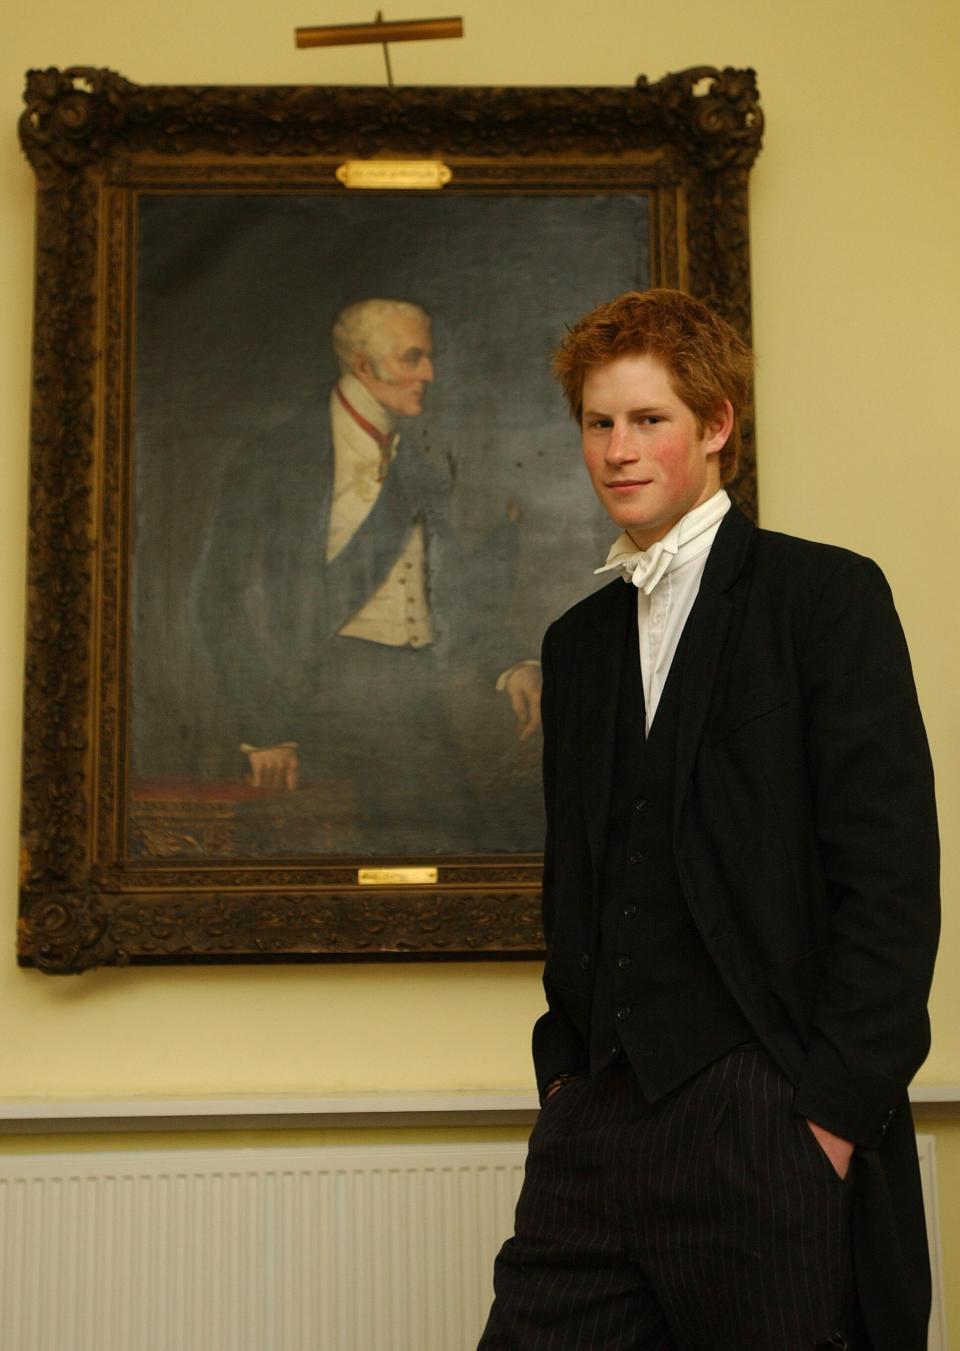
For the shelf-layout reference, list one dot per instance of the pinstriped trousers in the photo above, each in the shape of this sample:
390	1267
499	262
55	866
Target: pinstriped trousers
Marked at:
708	1221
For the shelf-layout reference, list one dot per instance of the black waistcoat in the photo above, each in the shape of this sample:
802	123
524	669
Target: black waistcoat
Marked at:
658	996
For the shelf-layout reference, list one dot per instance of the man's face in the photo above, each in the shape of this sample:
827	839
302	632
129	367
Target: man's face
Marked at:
397	376
648	461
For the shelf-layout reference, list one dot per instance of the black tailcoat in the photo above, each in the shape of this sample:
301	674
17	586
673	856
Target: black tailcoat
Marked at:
806	841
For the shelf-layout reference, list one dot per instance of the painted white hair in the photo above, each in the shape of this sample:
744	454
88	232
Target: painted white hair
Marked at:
359	329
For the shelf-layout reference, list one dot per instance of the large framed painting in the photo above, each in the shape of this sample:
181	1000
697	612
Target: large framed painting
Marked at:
305	496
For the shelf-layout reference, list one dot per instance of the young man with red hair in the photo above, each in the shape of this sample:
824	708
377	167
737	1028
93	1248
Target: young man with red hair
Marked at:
740	903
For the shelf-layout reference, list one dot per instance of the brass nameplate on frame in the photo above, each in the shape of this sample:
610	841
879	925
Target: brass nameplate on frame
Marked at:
394	173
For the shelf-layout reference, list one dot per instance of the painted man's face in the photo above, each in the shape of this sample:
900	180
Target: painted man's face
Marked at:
648	460
401	371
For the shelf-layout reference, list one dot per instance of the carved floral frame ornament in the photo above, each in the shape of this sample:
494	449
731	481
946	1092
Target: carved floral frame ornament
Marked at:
94	140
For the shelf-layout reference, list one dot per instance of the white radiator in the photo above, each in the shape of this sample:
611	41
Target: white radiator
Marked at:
326	1249
926	1151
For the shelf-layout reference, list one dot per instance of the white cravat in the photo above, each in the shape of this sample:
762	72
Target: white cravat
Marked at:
667	577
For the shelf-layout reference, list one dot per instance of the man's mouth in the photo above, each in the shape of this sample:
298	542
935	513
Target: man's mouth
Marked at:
623	484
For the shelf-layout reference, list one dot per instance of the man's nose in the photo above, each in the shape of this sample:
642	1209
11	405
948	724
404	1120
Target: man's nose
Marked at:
425	369
619	446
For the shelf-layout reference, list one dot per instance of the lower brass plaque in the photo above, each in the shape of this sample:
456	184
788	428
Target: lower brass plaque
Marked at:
402	877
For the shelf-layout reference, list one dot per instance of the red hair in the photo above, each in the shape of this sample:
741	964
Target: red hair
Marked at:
706	360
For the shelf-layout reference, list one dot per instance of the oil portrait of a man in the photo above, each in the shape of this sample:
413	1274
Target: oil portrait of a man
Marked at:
350	521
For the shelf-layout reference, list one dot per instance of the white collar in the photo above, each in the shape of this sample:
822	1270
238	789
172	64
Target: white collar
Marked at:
691	536
357	394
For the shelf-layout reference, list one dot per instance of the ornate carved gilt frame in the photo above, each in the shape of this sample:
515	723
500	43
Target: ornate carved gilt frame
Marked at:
94	140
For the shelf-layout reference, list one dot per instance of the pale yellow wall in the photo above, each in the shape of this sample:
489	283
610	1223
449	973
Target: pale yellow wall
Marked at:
854	206
855	203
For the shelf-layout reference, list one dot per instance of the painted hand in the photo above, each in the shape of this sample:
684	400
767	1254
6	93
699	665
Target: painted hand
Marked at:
274	767
523	687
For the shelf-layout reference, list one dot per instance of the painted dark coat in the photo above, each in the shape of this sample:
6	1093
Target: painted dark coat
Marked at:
806	839
268	602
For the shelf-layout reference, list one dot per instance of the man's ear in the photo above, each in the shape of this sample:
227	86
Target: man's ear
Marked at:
362	367
717	429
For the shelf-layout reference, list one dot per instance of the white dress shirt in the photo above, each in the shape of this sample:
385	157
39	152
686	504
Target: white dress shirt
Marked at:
667	577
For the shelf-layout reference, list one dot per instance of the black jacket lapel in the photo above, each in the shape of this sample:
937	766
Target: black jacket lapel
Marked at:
601	662
706	631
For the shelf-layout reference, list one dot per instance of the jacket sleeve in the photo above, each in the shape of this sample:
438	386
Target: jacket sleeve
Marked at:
239	598
557	1044
875	818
